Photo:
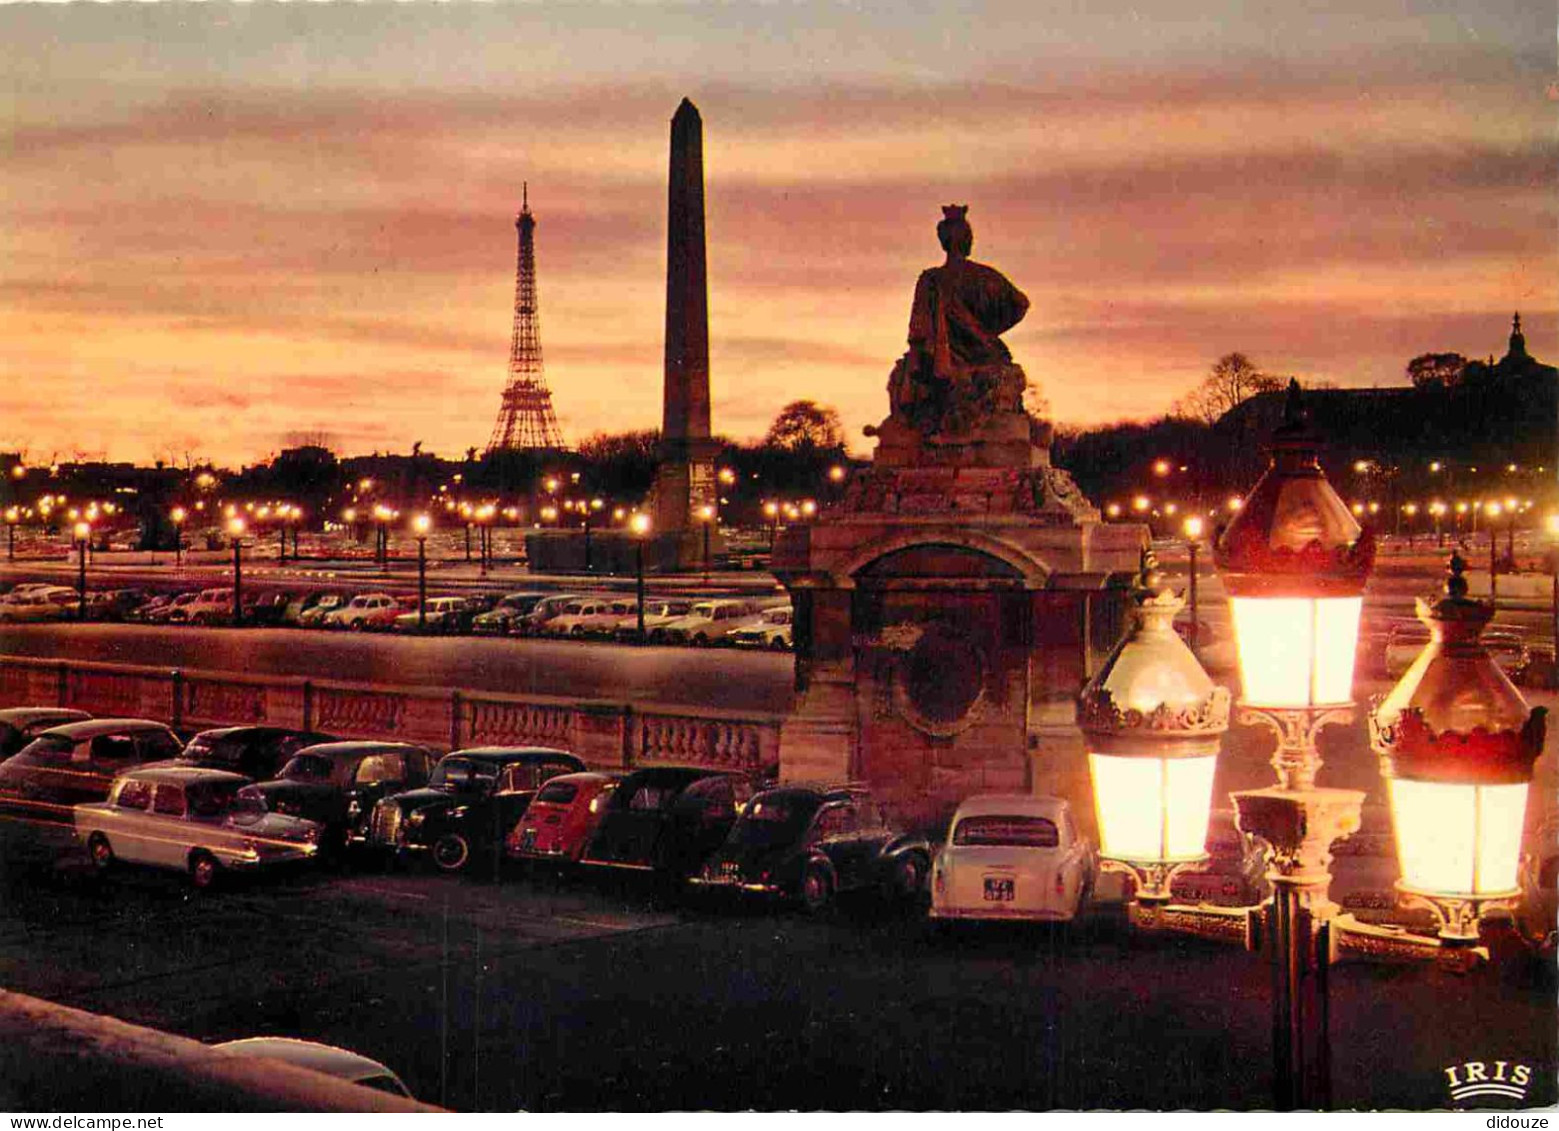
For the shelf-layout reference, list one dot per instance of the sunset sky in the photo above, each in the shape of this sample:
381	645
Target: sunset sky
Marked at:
223	227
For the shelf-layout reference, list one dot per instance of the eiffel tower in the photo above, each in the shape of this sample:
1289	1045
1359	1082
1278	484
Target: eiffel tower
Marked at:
525	419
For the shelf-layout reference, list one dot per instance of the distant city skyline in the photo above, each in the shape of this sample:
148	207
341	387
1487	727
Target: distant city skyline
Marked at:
229	226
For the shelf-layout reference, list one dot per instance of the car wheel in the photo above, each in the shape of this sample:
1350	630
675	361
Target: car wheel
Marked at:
817	888
203	870
780	644
700	641
450	852
356	626
101	852
907	880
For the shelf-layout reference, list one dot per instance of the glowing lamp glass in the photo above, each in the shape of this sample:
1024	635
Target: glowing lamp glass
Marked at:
1152	808
1457	838
1296	651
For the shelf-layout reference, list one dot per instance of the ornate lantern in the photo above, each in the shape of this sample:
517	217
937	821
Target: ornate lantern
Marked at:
1152	720
1294	563
1457	746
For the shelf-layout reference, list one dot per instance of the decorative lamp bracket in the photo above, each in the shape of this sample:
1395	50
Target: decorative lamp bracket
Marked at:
1297	759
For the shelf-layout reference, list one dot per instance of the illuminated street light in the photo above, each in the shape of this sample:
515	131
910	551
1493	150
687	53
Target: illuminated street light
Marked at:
1193	535
235	528
1141	503
1161	467
178	515
639	524
83	532
420	527
12	517
1457	746
1151	720
706	517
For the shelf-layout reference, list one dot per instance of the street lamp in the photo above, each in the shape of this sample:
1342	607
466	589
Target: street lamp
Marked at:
640	525
1457	746
1295	563
771	512
1152	720
1193	534
235	527
83	532
421	524
178	515
12	517
706	517
382	535
1493	511
589	510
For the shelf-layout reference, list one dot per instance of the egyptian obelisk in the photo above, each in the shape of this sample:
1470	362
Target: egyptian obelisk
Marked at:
685	489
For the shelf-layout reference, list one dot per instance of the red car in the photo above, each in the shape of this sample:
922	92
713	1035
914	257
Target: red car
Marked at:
562	817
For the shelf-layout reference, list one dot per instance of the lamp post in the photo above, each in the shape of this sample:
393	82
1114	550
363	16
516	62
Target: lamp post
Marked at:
12	516
83	532
1295	564
640	525
771	512
589	509
484	515
1493	513
178	515
706	517
1152	720
1193	535
235	528
421	524
1457	746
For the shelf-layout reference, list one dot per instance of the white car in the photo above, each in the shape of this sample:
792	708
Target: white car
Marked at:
343	1064
708	622
193	820
212	606
571	621
1011	856
366	610
53	602
772	630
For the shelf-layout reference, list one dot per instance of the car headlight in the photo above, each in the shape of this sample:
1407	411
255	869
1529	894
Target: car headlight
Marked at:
416	817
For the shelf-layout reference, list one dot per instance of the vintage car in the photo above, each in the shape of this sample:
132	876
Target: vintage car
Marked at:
54	602
20	725
708	622
71	765
668	819
337	784
256	752
366	611
808	843
210	606
313	614
343	1064
191	820
503	617
771	630
1234	874
473	799
439	614
534	622
561	818
658	612
1012	857
1406	642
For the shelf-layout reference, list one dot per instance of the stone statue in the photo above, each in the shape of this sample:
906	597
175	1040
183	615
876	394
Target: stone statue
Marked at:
958	372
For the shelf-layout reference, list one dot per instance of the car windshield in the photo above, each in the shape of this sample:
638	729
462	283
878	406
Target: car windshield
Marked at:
211	799
771	821
51	750
1007	829
558	792
462	773
308	767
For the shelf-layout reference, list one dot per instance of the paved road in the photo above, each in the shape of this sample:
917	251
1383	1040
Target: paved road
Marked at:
726	678
498	996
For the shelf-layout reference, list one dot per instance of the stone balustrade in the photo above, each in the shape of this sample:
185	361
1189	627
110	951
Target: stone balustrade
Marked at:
605	733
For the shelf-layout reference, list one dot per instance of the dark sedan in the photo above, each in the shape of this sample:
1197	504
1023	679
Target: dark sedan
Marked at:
338	783
20	725
72	765
473	799
668	819
808	843
257	752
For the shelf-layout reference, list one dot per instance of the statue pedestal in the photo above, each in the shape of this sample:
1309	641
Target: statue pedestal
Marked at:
948	611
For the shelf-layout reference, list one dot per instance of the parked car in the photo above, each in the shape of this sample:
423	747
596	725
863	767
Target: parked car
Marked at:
808	843
771	630
20	725
443	615
561	817
71	765
190	820
115	605
668	819
473	799
574	614
365	611
256	752
707	622
210	606
53	603
313	614
160	607
1235	874
300	603
501	619
266	610
534	622
343	1064
338	783
657	614
618	612
1012	857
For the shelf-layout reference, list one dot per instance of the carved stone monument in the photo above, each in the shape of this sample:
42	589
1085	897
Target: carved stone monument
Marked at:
952	605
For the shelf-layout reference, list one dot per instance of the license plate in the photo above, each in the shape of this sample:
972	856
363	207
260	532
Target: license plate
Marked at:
998	889
528	840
